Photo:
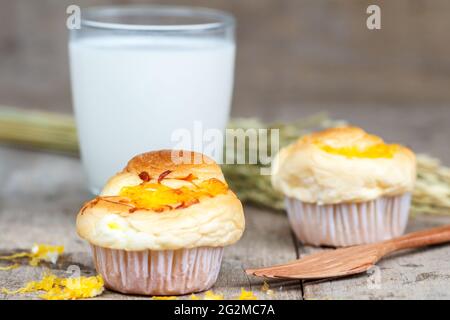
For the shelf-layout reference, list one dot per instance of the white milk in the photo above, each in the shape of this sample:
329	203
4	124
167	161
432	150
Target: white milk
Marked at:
131	93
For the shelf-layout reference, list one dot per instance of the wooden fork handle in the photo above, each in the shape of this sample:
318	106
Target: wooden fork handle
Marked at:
420	239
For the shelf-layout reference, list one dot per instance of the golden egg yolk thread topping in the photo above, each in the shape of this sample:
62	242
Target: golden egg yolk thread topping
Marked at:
159	197
246	295
380	150
211	295
10	267
55	288
38	253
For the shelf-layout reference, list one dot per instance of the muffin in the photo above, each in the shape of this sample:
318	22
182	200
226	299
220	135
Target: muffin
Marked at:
159	227
345	187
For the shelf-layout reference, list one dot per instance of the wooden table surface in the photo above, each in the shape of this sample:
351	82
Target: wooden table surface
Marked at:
41	194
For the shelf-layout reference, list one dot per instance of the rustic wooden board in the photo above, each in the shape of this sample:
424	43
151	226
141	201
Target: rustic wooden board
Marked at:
414	274
41	194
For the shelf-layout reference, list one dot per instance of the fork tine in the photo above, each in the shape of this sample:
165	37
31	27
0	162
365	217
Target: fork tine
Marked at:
303	262
314	274
339	262
295	263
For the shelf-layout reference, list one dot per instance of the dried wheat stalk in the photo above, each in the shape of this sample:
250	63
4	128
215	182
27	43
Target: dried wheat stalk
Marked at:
57	132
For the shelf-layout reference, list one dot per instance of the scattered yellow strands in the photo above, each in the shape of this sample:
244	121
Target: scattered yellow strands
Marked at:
247	295
47	283
210	295
62	288
13	266
164	298
44	252
266	289
76	288
39	252
15	256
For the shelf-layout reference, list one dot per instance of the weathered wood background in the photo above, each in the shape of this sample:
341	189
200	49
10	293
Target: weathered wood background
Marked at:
290	52
295	57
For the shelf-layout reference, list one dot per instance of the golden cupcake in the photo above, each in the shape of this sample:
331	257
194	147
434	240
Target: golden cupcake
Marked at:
159	227
344	187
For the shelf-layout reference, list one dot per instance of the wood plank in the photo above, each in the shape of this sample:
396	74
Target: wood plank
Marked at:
290	53
267	241
413	274
41	194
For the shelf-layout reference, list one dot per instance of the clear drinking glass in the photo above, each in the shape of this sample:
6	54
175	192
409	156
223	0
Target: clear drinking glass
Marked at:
140	73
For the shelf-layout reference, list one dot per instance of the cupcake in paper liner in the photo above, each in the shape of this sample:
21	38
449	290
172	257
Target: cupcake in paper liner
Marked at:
345	187
159	227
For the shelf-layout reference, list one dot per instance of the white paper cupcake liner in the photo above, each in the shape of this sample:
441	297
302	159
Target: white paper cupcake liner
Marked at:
349	224
164	272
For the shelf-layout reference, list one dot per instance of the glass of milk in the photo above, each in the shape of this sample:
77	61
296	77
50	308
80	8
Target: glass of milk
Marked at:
140	73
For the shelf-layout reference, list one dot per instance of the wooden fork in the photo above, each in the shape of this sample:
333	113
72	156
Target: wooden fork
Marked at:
351	260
